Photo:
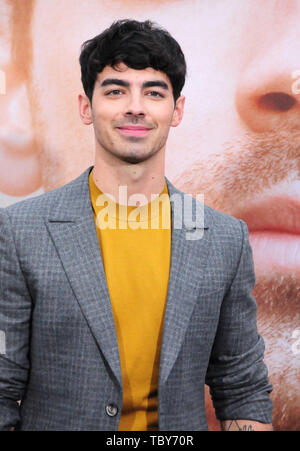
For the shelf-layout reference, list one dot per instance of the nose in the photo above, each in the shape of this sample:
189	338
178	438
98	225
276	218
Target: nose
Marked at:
135	107
268	91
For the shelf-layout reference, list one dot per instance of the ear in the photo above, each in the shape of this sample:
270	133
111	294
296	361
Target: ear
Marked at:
178	111
85	109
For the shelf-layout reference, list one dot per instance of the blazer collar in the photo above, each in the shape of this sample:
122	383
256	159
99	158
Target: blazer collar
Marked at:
75	202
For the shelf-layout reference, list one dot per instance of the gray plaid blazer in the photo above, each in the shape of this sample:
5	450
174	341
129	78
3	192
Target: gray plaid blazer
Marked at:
59	351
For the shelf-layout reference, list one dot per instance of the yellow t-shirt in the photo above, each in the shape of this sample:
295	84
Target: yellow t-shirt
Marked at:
136	258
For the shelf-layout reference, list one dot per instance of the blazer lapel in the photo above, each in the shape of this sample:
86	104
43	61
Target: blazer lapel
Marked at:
76	241
187	268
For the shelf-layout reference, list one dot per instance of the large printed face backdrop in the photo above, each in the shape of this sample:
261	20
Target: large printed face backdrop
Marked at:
239	142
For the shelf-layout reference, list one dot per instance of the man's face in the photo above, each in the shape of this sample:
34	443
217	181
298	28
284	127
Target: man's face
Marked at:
238	143
132	112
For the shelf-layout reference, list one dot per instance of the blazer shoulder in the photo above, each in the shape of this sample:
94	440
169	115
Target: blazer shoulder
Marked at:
221	220
216	218
222	223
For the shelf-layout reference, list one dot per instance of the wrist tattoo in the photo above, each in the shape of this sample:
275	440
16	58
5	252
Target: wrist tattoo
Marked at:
235	425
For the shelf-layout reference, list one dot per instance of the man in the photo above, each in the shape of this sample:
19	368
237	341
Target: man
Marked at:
219	151
127	337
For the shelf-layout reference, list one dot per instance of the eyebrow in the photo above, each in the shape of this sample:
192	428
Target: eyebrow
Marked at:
114	81
146	84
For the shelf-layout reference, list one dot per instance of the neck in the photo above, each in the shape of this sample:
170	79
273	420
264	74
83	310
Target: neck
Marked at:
146	178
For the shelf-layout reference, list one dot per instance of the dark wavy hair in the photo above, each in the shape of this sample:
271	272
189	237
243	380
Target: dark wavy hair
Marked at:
138	45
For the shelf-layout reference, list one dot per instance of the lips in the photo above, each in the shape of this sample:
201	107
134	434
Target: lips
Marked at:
274	231
134	130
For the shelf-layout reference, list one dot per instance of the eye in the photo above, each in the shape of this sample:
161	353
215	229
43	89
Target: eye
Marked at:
155	94
114	92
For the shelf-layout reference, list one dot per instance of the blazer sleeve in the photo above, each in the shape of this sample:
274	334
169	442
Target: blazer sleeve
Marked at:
15	313
237	375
